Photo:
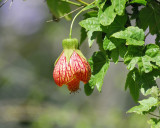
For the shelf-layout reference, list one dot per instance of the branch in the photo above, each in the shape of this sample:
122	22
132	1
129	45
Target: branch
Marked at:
70	2
82	2
3	3
154	115
66	14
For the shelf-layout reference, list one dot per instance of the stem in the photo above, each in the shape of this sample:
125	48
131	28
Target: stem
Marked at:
71	2
70	34
84	3
3	3
154	115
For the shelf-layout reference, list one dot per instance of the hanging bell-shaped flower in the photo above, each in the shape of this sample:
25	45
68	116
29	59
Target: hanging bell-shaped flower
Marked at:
71	67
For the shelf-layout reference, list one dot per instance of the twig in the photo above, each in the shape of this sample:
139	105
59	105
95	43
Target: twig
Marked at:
3	3
81	1
154	115
66	14
71	2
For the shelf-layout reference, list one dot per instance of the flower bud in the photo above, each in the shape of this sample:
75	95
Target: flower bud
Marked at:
71	67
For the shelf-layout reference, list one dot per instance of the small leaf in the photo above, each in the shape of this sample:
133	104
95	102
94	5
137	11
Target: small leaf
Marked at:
119	6
91	37
154	91
107	17
115	55
144	64
83	35
151	50
88	90
144	2
99	63
132	82
91	24
132	63
149	17
122	50
117	25
145	105
133	36
154	122
108	45
100	3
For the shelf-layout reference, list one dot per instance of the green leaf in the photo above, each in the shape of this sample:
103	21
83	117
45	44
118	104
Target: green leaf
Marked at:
108	45
144	2
59	8
148	80
88	90
150	16
144	64
133	51
100	3
117	25
83	35
119	6
99	63
115	55
145	105
122	50
154	91
91	24
107	17
154	122
153	51
132	82
91	37
99	41
133	35
132	63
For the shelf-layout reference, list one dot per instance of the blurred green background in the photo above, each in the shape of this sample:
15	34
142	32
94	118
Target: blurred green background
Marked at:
29	97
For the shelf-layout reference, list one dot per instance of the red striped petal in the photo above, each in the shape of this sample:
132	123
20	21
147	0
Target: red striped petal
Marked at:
78	69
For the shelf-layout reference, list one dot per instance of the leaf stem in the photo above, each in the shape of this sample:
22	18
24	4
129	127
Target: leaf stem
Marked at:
154	115
71	2
81	1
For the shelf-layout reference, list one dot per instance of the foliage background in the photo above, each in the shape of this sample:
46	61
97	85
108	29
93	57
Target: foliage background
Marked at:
29	97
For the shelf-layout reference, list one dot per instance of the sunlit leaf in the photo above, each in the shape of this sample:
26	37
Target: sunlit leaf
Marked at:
107	17
91	24
133	36
145	105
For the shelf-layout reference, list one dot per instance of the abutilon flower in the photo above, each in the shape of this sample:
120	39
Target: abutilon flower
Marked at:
71	67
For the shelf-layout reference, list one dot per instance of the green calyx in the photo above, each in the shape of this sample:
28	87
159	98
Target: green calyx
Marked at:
70	44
